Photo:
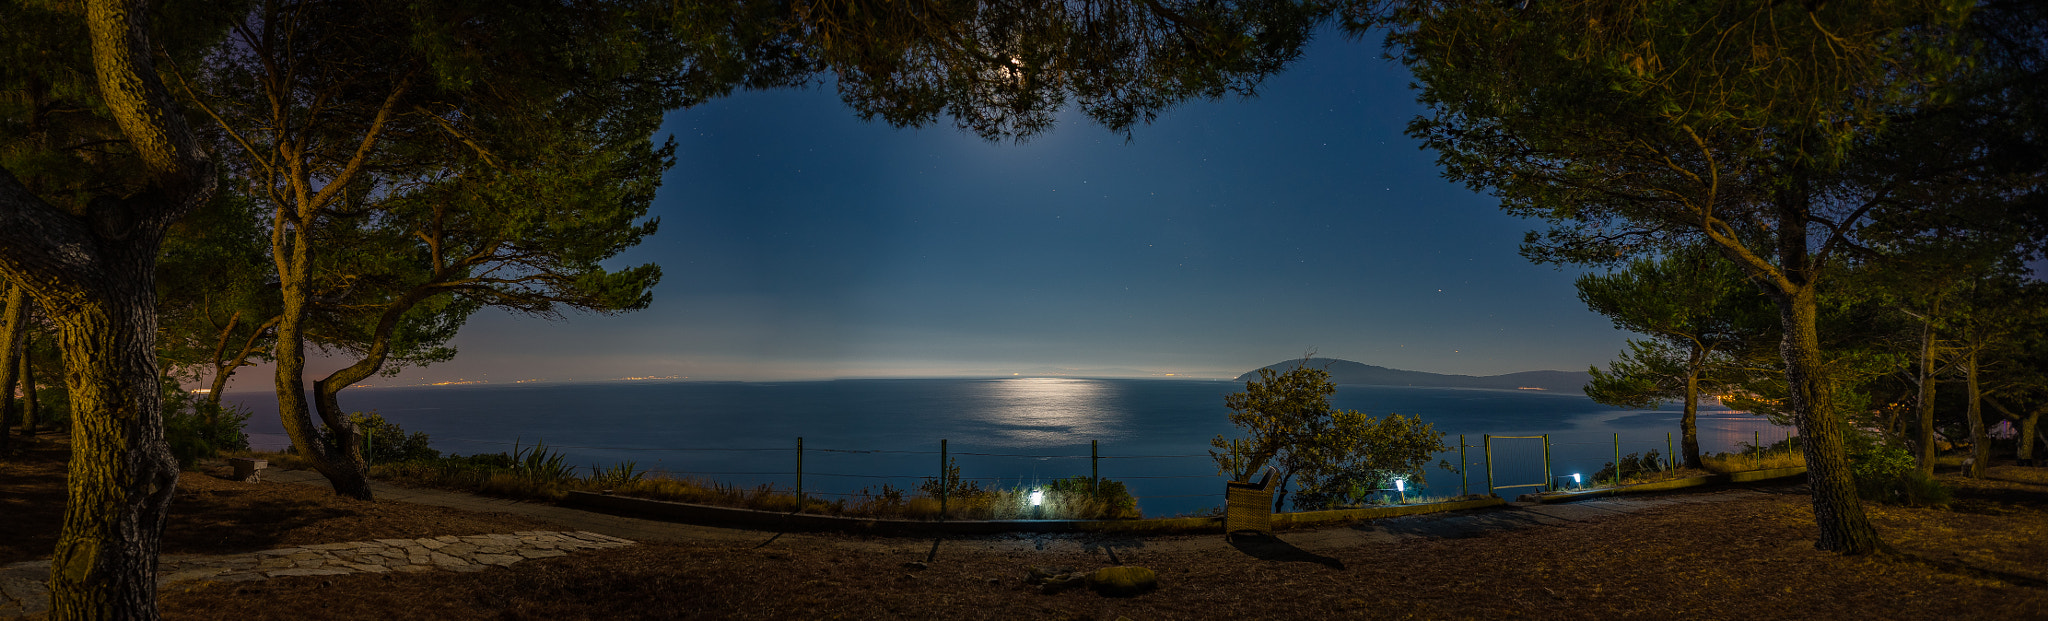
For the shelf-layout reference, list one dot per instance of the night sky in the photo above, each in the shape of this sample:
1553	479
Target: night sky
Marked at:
800	242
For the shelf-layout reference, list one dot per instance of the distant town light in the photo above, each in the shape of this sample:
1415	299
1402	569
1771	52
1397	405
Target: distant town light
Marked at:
1037	497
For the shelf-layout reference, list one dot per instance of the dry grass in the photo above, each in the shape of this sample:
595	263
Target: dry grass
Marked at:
886	502
1724	463
1002	504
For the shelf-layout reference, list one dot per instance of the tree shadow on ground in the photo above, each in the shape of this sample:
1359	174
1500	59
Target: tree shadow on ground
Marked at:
31	500
230	522
208	519
1271	548
1461	526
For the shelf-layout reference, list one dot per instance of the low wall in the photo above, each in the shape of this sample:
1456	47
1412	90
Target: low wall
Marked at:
1745	476
752	519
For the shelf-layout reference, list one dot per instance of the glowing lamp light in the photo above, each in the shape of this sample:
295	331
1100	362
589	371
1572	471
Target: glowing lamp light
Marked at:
1575	478
1401	485
1037	497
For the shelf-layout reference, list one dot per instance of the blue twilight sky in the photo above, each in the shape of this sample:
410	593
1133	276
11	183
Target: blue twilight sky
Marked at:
800	242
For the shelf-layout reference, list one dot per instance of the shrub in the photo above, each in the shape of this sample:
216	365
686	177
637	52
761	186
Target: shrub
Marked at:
618	475
1885	473
387	442
952	486
1632	465
1289	424
540	464
196	429
1111	500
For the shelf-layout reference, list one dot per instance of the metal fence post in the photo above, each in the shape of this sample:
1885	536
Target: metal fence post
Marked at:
1464	469
1670	457
1488	440
799	474
1617	459
1757	439
1547	480
1095	468
943	479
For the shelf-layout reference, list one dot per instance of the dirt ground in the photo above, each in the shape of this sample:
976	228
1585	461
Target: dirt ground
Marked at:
213	515
1744	559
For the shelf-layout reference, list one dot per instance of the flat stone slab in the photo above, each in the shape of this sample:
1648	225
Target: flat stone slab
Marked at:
24	590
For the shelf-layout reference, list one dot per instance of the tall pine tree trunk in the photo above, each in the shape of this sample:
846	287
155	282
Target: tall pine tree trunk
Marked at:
16	318
1688	423
2030	434
1980	439
1924	436
1810	392
105	563
1836	508
92	269
30	407
342	462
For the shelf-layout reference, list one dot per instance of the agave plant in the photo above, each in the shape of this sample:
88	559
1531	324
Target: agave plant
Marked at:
540	464
617	475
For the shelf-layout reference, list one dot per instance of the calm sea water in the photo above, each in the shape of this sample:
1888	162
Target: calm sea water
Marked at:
1152	434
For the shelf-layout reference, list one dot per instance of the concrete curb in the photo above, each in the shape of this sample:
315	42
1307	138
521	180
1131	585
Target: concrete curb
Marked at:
749	518
1745	476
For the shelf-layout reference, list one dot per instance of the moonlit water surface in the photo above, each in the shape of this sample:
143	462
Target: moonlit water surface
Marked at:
1153	434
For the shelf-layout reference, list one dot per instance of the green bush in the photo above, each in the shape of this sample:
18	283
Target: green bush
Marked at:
1885	473
953	486
540	464
620	474
1632	465
388	442
1109	501
196	429
1347	487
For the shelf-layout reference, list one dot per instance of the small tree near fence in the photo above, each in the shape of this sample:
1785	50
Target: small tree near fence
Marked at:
1290	426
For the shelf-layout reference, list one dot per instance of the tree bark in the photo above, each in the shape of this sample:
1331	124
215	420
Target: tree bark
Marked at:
1836	507
1924	436
1810	392
1980	439
105	565
30	407
341	463
2030	433
16	319
1688	423
224	366
92	269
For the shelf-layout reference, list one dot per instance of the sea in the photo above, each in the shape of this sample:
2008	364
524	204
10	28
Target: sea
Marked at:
857	436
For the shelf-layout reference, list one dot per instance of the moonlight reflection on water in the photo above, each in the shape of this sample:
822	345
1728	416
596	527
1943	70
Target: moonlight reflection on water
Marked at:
1049	411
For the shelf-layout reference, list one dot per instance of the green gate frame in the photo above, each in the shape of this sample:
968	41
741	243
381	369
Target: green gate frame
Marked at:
1490	487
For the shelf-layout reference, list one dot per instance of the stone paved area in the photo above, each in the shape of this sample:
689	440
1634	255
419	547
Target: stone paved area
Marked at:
22	588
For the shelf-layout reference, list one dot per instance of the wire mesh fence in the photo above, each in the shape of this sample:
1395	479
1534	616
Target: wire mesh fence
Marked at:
1161	483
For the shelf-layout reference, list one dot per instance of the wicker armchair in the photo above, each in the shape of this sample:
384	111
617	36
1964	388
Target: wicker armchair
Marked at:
1248	507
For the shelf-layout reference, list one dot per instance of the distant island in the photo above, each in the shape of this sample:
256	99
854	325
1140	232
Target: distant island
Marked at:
1348	372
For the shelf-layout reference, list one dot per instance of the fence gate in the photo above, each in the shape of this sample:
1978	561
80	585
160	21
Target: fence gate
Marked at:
1490	486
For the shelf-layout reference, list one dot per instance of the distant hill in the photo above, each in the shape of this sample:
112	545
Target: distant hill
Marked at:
1348	372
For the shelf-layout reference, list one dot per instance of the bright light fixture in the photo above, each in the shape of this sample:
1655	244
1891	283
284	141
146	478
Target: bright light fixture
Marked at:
1037	497
1575	478
1401	485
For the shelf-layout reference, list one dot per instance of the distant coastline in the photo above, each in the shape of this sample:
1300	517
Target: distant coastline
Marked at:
1358	373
